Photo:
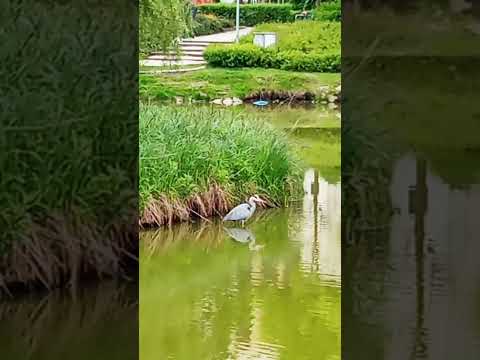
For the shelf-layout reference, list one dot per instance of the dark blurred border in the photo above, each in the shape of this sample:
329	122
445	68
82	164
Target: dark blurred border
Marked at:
68	183
410	175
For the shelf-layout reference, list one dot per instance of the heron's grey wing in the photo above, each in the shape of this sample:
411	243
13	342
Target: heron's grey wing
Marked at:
239	212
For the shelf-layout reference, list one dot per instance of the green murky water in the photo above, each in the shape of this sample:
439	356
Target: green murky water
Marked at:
98	323
270	290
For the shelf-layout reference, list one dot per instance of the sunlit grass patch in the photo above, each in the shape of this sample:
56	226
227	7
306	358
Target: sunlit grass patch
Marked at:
210	83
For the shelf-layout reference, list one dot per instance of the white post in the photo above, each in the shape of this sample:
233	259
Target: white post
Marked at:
238	22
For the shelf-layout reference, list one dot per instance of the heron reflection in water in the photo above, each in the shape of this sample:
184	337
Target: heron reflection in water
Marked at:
244	236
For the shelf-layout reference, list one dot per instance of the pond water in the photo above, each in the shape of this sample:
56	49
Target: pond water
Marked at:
271	290
413	291
98	323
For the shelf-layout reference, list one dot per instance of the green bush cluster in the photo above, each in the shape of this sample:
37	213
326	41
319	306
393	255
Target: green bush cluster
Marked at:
251	14
310	46
248	55
206	24
328	11
305	36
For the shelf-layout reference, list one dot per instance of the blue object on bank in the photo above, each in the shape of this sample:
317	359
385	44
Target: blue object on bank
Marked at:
260	103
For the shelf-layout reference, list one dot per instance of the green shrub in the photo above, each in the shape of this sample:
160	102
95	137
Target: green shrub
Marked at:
310	46
251	14
210	24
235	56
329	11
312	62
247	55
304	36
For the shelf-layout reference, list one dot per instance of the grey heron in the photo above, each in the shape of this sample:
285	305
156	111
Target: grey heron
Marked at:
243	212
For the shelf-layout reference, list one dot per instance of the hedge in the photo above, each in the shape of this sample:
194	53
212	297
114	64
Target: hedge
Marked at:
302	4
210	24
248	55
329	11
251	14
305	36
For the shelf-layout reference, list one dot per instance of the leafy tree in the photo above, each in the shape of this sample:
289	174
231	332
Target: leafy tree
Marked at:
162	23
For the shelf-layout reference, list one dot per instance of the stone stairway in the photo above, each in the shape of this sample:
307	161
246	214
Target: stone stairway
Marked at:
190	54
190	57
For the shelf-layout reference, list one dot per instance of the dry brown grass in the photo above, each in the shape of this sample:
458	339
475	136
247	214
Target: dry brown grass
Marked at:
205	234
165	211
61	252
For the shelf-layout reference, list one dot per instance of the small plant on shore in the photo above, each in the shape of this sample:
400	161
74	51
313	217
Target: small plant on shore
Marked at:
198	163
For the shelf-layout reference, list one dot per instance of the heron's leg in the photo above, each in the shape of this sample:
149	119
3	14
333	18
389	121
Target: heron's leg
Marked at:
243	223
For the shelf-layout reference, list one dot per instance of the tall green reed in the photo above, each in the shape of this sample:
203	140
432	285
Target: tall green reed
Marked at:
183	151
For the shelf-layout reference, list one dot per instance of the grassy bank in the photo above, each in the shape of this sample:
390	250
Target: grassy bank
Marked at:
200	162
210	84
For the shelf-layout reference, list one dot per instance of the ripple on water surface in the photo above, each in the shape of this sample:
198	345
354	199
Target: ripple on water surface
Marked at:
206	295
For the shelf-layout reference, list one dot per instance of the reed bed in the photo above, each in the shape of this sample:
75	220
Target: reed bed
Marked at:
68	186
62	252
199	162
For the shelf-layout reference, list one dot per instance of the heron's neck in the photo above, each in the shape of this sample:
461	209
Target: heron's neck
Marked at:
252	204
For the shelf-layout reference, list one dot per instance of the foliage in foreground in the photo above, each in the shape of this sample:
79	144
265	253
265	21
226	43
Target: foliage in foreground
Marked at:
69	144
311	46
196	162
251	14
161	22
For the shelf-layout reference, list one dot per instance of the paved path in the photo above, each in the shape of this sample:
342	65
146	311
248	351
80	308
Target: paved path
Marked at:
224	37
191	50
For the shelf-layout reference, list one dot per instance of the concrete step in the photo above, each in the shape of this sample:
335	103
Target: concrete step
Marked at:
154	62
194	43
173	53
192	48
202	42
174	58
192	53
175	70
